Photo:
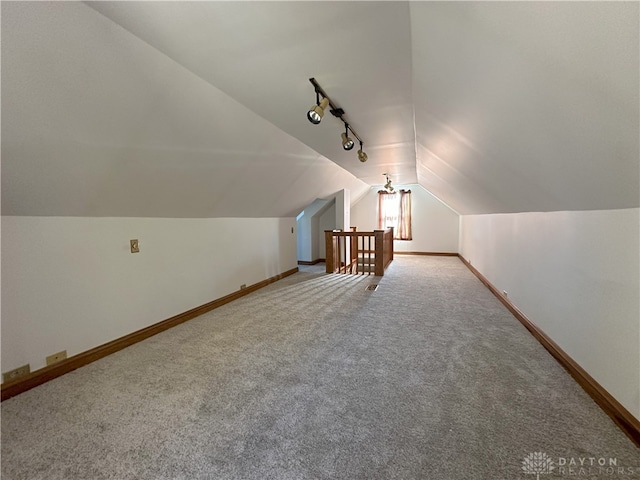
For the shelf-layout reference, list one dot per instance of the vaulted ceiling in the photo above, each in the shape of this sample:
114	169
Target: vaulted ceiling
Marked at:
198	109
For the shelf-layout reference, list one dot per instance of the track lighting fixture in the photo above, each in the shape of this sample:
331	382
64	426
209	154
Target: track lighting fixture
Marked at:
347	142
316	113
387	185
361	155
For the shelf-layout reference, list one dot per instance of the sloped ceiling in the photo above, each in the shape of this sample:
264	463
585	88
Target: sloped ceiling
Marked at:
527	106
197	109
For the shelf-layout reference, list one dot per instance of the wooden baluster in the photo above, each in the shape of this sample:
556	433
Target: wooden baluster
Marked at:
344	253
369	256
345	244
364	251
363	259
339	254
357	260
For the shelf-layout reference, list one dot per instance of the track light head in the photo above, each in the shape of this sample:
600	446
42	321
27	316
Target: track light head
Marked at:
361	155
347	142
316	112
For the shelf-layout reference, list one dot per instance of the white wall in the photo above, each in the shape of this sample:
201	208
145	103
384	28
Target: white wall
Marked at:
327	221
71	283
576	276
435	226
307	229
303	238
343	210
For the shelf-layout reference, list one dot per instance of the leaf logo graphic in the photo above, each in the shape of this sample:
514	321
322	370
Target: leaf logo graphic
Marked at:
537	463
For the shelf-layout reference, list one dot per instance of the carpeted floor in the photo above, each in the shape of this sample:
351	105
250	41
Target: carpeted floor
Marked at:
314	377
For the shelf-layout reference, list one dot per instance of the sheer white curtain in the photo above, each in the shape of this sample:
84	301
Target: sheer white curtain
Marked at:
394	210
388	209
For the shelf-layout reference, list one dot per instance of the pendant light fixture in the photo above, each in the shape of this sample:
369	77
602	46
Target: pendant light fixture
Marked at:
387	185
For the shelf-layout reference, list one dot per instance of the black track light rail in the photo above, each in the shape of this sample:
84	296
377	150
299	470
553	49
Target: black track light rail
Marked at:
335	110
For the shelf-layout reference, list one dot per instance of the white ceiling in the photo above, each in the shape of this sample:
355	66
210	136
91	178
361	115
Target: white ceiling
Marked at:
198	109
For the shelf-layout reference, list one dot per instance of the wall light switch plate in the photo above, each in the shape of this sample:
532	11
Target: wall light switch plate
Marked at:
135	248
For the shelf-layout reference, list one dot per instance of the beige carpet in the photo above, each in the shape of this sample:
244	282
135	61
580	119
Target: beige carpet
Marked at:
314	377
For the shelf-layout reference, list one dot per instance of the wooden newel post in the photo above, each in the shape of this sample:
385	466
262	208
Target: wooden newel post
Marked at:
379	268
329	261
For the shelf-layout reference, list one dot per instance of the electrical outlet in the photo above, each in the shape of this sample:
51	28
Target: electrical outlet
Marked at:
56	357
243	286
135	247
16	373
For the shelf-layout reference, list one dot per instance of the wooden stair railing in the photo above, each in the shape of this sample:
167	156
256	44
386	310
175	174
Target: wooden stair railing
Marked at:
359	253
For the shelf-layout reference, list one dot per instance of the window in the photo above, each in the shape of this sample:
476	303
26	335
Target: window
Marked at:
394	210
